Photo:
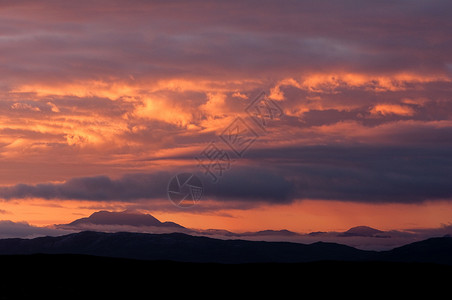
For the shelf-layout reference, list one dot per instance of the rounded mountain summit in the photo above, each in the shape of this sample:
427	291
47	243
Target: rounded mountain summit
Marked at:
122	218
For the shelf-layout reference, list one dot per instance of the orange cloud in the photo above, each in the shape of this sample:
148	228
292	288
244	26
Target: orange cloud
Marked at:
215	105
330	82
392	109
162	110
24	106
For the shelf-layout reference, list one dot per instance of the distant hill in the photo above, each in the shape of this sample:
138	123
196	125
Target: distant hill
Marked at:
108	221
283	232
186	248
362	237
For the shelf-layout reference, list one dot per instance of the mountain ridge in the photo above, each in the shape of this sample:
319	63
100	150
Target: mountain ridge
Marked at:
136	219
187	248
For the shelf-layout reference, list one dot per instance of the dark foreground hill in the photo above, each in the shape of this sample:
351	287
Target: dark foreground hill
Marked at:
95	265
186	248
74	276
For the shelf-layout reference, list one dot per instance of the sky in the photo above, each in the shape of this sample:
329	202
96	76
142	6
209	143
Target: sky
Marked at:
299	115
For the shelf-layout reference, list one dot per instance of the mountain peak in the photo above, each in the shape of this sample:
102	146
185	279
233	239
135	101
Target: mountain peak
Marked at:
361	231
126	217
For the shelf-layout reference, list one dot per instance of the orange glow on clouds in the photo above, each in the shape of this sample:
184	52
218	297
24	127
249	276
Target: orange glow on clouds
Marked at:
144	92
388	109
161	110
330	82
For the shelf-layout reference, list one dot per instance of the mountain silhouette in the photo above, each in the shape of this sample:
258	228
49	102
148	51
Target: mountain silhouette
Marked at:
120	218
361	231
186	248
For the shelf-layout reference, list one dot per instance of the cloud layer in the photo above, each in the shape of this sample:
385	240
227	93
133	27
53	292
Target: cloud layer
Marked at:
93	91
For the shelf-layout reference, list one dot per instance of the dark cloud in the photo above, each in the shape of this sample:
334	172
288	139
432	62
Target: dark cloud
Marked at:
251	184
235	38
99	188
354	173
365	173
241	184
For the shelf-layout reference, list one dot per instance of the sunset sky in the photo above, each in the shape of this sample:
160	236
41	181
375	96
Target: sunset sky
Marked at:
103	102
